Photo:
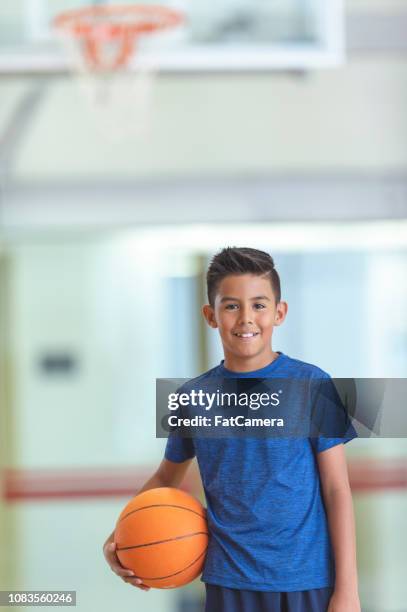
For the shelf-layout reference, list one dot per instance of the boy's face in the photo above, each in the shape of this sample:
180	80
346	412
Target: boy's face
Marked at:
245	312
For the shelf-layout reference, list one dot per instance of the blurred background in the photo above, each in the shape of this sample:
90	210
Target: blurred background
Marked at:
276	125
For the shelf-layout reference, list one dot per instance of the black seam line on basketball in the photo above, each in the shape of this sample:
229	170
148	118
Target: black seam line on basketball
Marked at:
160	506
175	573
187	535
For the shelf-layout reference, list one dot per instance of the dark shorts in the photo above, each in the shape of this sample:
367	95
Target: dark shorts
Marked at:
222	599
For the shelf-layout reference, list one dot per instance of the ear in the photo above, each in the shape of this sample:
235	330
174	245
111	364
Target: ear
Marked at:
281	313
209	314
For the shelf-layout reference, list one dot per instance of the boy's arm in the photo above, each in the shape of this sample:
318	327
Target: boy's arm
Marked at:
168	474
338	503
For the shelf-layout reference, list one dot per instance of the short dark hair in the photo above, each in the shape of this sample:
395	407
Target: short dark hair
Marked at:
241	260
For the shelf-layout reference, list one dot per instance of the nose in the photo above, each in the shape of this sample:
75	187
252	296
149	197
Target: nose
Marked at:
246	315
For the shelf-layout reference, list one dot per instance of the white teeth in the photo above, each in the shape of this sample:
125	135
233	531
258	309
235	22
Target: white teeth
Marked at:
246	335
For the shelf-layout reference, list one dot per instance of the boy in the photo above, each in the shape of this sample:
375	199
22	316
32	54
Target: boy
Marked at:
279	510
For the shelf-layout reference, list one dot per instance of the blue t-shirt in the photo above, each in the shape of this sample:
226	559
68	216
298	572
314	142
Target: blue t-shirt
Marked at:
267	521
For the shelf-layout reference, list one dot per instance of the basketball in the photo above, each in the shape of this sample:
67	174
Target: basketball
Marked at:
162	535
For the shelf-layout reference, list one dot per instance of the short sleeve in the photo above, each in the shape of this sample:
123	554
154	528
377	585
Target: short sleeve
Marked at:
330	422
320	444
179	449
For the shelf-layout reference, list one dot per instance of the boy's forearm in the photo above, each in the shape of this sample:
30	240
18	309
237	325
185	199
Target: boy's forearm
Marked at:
341	521
168	474
155	482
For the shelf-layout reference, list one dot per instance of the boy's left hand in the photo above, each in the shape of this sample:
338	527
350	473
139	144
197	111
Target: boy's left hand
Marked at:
344	602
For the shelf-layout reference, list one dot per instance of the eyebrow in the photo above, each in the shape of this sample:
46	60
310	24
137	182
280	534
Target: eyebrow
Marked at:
234	299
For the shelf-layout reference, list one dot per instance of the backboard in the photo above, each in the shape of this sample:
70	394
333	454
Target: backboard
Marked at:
226	35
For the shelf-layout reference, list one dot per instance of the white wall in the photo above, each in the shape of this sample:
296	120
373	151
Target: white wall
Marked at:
90	301
350	118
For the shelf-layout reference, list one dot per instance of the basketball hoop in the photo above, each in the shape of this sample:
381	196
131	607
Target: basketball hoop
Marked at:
106	44
96	28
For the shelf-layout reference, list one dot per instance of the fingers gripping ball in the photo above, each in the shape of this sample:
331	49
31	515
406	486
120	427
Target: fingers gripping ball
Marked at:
162	535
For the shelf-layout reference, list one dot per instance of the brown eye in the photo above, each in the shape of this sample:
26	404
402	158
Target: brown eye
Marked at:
259	306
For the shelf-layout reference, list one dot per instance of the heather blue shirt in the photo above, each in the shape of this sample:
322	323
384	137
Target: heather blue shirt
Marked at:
266	517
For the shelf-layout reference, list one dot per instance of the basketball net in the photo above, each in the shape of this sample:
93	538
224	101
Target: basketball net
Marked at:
111	52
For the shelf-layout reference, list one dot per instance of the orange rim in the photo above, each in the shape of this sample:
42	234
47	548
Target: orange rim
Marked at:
97	25
84	22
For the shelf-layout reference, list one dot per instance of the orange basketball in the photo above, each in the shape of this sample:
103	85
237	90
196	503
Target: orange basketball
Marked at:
162	535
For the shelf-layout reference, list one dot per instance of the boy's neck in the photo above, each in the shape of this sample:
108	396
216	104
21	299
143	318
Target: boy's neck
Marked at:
251	364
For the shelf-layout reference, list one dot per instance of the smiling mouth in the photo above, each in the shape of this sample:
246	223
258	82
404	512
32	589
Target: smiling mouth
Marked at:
246	335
